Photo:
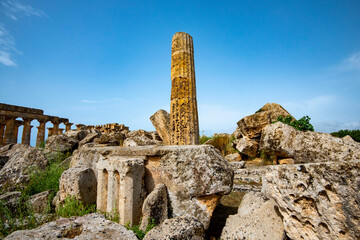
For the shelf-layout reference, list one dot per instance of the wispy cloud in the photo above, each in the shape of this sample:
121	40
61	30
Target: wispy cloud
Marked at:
15	10
351	63
7	47
101	101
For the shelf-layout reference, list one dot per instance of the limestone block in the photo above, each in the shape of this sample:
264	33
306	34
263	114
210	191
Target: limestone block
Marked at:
89	227
111	139
22	158
161	122
233	157
61	143
39	202
286	161
120	188
285	141
155	206
140	141
317	200
89	138
256	219
11	200
276	111
77	134
177	228
247	146
79	182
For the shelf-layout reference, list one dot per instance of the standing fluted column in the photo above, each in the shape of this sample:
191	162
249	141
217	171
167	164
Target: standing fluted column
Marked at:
40	138
26	131
9	130
184	123
68	126
16	131
55	127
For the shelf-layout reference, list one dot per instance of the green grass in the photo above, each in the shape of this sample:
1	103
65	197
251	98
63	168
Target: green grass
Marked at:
222	143
73	207
354	134
204	138
140	234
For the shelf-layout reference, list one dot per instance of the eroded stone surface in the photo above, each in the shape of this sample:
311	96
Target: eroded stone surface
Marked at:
318	200
178	228
247	146
61	143
257	218
89	227
285	141
161	122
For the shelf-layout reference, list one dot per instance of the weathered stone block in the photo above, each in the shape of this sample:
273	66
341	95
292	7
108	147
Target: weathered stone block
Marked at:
161	122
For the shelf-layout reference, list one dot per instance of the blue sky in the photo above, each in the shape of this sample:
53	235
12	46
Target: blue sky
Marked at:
97	62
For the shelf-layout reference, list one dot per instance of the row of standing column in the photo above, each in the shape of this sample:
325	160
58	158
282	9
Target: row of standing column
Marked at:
9	130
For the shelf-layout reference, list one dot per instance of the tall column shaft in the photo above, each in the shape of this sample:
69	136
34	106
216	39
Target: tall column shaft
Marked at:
68	126
2	130
55	128
40	138
184	123
26	131
9	130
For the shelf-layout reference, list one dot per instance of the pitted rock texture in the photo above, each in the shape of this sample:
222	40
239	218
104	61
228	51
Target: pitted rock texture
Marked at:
252	125
22	158
285	141
179	228
89	227
155	206
161	122
110	139
247	146
140	141
317	200
184	122
79	182
257	218
61	143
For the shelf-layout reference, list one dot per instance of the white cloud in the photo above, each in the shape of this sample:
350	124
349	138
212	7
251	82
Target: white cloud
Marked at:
7	47
351	63
15	10
5	59
330	127
320	101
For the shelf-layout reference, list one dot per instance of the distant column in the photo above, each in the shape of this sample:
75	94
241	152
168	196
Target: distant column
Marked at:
60	131
9	130
16	130
26	131
184	123
2	130
55	127
40	138
68	126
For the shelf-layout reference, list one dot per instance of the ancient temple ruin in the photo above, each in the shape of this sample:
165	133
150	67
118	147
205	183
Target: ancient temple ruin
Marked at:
184	123
9	125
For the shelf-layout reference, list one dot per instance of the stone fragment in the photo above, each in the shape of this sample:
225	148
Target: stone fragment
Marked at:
22	159
257	218
237	134
233	157
39	202
177	228
184	122
248	179
11	200
61	143
89	227
139	141
79	182
161	122
89	138
138	133
247	146
285	141
155	207
111	139
317	200
77	134
286	161
276	111
238	165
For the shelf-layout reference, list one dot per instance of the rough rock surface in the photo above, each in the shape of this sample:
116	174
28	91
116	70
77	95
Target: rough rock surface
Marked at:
161	122
317	200
89	227
89	138
247	146
195	176
61	143
252	125
257	218
39	202
139	141
11	199
138	133
111	139
178	228
233	157
285	141
79	182
22	158
77	135
248	179
155	206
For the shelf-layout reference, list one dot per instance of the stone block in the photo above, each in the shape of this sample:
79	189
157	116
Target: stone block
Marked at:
161	122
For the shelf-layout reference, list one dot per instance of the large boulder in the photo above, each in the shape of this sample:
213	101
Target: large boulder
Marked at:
78	135
247	146
195	175
39	202
89	227
22	159
78	182
178	228
155	207
110	139
252	125
257	218
61	143
317	200
161	122
140	141
285	141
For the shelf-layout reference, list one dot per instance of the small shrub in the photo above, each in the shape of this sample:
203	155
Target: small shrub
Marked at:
354	134
303	124
74	207
41	145
140	234
203	139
